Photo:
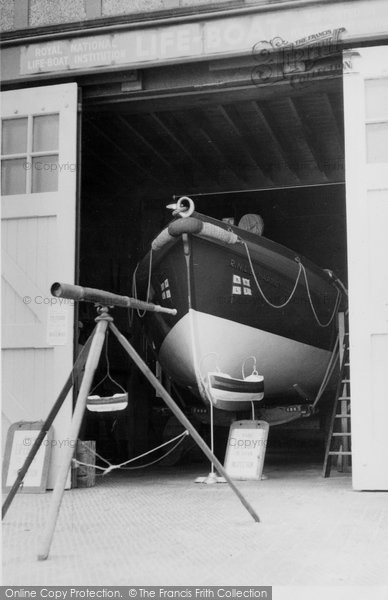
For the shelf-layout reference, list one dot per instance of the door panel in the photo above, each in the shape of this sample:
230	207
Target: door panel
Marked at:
38	164
366	143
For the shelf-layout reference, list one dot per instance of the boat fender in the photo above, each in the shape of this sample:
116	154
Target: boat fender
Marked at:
217	233
161	240
203	229
187	225
174	230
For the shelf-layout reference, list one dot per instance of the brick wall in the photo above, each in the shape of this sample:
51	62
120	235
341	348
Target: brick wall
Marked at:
20	14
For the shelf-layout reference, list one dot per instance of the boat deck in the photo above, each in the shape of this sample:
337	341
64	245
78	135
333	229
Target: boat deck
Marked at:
160	528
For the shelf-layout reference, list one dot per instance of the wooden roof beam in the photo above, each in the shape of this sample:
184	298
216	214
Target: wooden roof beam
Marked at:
215	145
124	153
113	169
276	144
246	143
338	126
134	132
311	139
196	135
175	139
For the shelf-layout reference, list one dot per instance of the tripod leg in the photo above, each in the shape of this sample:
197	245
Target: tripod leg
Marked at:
182	418
78	365
91	365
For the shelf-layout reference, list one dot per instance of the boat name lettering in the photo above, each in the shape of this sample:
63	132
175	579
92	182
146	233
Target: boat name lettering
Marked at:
239	266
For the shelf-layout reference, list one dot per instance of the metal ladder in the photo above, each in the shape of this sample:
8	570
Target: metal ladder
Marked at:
339	438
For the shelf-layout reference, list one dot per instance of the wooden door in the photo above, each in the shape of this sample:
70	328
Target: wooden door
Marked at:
38	165
366	151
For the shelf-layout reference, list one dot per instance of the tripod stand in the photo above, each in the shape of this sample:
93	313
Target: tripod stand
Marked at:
95	344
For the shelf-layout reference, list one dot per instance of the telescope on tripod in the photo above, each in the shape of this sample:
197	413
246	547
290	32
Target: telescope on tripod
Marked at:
102	298
89	357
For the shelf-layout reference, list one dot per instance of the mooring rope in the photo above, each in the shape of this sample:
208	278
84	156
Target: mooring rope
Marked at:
105	470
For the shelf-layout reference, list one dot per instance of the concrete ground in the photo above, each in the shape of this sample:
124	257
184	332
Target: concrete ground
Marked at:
160	528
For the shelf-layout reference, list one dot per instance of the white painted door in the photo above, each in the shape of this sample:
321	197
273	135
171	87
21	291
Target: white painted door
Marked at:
366	150
38	167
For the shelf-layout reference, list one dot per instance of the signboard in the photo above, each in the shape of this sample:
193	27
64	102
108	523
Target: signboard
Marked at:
220	37
245	451
113	49
57	324
20	439
187	41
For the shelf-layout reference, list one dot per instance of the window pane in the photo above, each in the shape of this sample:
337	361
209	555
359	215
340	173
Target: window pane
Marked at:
377	142
376	98
45	135
45	173
14	136
13	176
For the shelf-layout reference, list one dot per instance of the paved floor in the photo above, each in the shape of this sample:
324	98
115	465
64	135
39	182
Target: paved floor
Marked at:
160	528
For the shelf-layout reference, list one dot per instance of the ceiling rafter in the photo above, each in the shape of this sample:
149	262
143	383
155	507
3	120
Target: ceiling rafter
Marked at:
150	147
337	125
197	136
221	123
246	141
311	139
157	119
106	164
262	114
205	129
245	114
124	153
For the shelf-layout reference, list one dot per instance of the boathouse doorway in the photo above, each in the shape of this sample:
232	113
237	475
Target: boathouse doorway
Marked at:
235	147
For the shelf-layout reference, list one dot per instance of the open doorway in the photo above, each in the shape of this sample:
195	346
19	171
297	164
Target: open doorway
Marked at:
281	156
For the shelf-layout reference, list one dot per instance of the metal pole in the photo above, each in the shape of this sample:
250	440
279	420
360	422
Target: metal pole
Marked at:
78	365
91	366
180	416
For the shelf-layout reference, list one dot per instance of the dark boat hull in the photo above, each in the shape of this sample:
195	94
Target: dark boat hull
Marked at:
223	319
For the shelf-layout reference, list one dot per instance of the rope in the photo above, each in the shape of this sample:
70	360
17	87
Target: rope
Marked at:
244	363
261	291
95	453
207	356
302	268
107	375
134	286
336	305
153	462
328	373
106	470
